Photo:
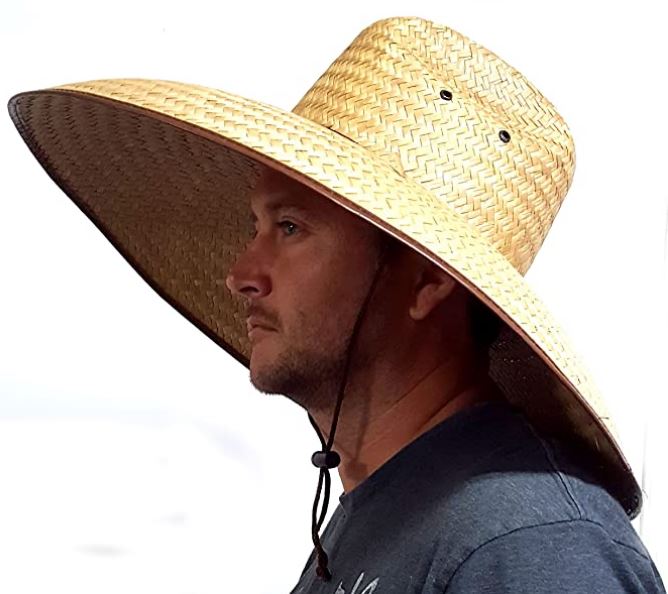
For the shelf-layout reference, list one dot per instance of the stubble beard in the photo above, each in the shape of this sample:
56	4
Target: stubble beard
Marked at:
309	377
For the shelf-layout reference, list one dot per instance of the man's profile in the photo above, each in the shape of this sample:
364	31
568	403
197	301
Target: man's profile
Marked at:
416	363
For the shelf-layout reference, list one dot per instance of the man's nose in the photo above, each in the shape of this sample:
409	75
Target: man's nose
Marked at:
247	277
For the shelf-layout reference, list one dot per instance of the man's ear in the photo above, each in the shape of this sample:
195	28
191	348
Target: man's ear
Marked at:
432	288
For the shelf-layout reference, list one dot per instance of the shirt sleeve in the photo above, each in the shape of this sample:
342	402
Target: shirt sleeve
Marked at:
569	556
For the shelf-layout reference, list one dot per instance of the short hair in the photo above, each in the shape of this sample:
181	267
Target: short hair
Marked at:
484	325
390	244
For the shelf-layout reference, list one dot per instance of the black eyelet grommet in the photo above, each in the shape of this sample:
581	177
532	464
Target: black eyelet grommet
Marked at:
445	94
504	135
322	459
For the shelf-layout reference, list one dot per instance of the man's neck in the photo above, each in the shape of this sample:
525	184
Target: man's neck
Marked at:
378	426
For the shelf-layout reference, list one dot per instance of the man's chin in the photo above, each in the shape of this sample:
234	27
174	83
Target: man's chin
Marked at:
270	378
261	376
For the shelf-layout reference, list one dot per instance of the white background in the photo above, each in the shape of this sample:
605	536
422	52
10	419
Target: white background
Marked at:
135	456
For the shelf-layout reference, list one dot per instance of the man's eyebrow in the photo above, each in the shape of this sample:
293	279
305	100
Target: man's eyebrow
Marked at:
275	205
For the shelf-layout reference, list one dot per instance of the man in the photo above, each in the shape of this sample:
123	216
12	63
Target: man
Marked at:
505	511
419	177
416	362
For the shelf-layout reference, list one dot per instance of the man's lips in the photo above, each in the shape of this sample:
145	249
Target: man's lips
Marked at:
256	331
253	322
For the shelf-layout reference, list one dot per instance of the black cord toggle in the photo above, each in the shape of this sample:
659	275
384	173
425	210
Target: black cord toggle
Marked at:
322	459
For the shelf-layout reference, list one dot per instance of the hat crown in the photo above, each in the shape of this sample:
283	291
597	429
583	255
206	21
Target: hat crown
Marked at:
454	117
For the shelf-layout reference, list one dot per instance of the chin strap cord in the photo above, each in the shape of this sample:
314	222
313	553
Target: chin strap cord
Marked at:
326	458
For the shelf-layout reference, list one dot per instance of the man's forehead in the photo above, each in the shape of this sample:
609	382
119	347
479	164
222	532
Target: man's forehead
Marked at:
274	190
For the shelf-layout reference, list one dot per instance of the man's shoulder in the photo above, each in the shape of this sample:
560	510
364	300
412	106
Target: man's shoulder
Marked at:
524	483
567	556
500	499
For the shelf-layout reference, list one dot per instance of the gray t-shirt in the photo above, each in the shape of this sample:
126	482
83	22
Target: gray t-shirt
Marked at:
481	504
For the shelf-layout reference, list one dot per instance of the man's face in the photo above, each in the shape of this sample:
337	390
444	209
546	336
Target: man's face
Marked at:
305	275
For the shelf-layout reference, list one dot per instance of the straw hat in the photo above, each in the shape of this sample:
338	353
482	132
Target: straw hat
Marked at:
414	127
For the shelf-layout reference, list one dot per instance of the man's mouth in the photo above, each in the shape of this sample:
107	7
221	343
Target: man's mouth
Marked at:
257	331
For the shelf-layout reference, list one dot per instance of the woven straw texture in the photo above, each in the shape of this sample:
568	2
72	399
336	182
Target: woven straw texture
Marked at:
414	127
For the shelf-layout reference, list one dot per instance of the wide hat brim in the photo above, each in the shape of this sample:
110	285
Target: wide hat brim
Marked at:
164	169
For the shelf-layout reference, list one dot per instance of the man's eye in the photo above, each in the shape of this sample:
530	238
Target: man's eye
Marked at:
281	223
